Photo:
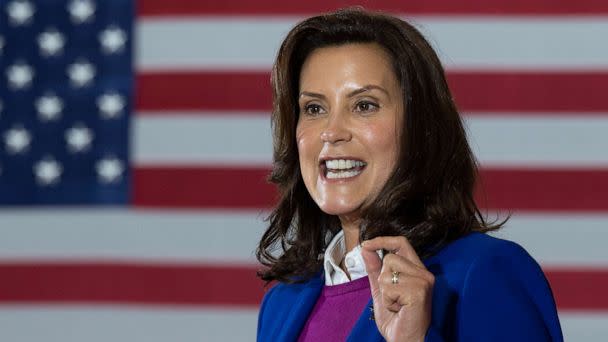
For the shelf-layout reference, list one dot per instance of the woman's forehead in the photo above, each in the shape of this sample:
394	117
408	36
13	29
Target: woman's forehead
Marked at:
348	66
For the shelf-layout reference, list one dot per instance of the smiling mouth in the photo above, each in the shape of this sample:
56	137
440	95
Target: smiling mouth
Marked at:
342	168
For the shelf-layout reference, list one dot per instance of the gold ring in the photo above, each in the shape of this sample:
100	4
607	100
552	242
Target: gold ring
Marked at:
395	278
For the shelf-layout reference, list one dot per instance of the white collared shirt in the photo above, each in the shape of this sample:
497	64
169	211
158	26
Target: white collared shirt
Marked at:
334	275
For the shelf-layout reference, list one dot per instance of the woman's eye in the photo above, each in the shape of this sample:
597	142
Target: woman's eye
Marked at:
366	106
312	109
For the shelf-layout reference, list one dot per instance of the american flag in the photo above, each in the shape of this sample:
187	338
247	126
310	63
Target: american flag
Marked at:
135	142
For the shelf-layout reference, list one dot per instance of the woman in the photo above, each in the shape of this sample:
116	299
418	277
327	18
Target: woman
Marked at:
376	235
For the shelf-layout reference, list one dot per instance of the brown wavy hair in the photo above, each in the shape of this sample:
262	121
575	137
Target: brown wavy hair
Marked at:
429	196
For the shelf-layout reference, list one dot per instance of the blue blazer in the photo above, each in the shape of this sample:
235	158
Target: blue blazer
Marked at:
486	289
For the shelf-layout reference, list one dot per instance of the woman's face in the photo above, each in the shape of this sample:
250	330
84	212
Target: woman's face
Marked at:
351	110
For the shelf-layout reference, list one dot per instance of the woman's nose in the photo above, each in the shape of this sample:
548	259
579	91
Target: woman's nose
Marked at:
336	129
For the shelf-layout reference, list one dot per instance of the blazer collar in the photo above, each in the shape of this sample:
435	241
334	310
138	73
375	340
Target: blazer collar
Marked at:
302	305
365	328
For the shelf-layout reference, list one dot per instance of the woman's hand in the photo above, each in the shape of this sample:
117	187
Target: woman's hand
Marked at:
402	289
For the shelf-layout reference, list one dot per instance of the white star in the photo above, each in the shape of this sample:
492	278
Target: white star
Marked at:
112	39
17	140
81	10
50	42
81	73
79	138
1	44
109	169
20	75
20	12
110	105
49	107
47	171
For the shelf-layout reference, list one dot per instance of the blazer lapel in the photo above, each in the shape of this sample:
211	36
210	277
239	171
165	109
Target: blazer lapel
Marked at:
301	307
365	329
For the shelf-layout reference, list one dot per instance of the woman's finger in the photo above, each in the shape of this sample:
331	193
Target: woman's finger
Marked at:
396	244
398	263
408	291
390	303
373	267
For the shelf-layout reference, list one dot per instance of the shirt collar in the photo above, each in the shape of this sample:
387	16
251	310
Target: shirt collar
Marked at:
335	252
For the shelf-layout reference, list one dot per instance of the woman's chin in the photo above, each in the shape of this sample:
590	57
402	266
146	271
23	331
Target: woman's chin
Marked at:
339	209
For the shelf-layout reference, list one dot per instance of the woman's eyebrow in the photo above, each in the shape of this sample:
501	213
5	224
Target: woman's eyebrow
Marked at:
367	88
310	94
351	94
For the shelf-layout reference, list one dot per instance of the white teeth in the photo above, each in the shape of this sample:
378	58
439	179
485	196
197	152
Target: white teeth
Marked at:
343	164
342	174
342	168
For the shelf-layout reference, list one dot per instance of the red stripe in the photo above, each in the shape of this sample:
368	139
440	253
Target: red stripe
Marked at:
210	285
202	187
474	91
130	283
441	7
505	189
203	90
579	289
530	91
545	190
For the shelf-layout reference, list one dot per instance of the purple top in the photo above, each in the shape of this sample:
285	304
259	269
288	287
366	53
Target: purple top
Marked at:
337	311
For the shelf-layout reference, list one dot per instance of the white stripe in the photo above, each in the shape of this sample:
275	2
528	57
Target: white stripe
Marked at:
462	42
228	139
125	324
232	236
102	323
152	236
584	326
560	239
570	140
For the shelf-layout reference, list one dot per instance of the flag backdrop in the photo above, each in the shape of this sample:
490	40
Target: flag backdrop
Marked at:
135	140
